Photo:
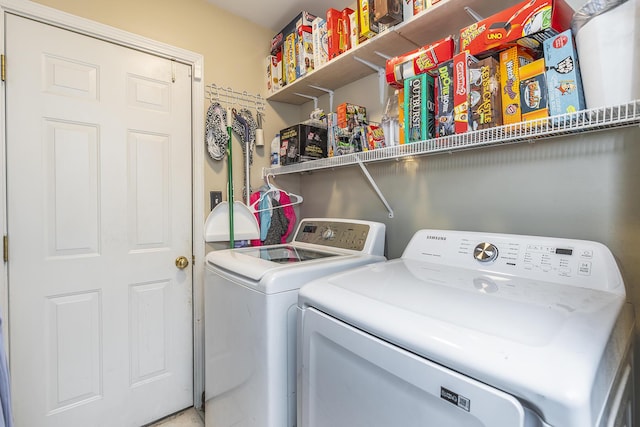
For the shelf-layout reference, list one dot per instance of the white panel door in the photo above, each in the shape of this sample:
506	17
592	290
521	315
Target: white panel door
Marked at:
99	208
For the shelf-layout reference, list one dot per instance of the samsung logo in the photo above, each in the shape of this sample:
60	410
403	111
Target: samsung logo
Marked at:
435	237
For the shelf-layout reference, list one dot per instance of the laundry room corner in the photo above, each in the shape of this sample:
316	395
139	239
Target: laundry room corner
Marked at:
389	225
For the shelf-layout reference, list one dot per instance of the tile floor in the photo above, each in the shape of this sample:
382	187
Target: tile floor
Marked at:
187	418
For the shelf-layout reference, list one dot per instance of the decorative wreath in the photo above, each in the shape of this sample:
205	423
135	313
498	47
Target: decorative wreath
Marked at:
215	136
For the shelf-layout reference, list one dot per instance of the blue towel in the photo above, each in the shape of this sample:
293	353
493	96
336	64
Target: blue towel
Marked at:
265	215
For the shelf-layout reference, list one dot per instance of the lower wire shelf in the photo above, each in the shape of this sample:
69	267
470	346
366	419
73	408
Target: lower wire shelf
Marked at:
591	120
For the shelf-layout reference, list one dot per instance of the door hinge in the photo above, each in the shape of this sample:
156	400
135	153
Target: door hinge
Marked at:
3	68
5	248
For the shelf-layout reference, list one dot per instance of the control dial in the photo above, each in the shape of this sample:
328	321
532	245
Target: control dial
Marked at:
485	252
328	234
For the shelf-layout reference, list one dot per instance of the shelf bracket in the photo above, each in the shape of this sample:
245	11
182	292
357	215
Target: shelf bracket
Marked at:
375	186
315	99
382	55
382	80
329	91
473	14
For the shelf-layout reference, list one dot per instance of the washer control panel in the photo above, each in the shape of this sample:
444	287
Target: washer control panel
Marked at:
356	236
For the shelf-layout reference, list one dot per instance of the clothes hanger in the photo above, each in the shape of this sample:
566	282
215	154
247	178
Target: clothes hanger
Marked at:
294	198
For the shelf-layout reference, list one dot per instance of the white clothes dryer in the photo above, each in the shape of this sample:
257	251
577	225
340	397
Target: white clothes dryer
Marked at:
250	317
469	329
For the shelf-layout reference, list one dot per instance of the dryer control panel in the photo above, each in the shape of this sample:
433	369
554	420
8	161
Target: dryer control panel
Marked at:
361	236
572	262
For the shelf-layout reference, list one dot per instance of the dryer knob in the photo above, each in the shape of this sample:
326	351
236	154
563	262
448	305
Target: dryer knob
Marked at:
485	252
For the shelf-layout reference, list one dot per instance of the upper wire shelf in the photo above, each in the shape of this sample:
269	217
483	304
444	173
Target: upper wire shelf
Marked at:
583	121
229	97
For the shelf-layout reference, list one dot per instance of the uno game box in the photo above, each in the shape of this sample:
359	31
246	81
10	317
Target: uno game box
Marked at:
527	24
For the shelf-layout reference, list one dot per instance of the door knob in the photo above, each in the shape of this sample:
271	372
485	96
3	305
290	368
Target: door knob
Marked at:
182	262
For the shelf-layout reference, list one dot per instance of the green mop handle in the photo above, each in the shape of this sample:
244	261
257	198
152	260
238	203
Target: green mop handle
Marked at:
230	198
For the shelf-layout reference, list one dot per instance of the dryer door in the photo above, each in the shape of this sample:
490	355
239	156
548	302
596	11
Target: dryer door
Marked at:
349	378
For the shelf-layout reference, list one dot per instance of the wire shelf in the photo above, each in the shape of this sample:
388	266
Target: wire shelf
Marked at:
591	120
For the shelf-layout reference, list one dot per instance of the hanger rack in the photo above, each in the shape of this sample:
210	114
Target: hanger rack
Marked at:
228	97
234	100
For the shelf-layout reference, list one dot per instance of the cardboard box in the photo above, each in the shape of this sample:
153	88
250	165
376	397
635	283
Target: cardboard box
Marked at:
345	29
401	119
533	91
277	42
348	142
528	24
302	142
485	100
461	91
290	60
564	82
304	50
388	12
375	137
353	29
320	45
274	73
419	6
444	99
418	61
407	10
367	25
419	107
332	138
333	32
351	115
510	62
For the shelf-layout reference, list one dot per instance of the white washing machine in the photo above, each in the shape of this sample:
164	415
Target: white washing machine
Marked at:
250	317
469	329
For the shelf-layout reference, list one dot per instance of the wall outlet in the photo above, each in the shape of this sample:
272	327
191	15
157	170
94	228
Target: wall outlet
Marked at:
216	198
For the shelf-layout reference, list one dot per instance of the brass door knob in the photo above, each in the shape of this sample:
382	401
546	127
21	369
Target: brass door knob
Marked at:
182	262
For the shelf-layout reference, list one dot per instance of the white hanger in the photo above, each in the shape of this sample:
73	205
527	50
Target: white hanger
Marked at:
295	199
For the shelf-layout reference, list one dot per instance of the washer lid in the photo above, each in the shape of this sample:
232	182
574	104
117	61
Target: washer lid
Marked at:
540	341
255	262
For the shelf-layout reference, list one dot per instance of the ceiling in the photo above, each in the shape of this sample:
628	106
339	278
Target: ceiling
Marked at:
275	14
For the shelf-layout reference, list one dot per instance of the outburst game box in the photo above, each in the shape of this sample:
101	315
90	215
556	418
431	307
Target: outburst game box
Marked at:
419	109
527	24
563	75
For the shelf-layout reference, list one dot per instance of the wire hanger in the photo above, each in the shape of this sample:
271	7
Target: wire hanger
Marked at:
272	189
